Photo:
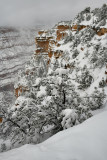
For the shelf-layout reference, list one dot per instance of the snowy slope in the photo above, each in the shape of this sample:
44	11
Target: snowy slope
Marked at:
95	18
87	141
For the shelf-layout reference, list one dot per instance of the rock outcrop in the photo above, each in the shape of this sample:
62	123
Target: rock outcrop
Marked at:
46	43
19	90
49	43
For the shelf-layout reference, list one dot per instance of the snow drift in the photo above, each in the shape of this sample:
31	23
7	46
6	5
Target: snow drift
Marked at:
87	141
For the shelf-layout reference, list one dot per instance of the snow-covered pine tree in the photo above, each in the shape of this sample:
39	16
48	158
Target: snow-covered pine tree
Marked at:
85	79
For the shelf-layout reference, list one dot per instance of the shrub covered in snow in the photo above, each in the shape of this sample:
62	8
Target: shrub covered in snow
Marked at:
85	79
70	118
99	57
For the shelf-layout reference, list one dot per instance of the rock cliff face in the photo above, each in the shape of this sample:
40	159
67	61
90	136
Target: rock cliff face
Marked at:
46	42
51	42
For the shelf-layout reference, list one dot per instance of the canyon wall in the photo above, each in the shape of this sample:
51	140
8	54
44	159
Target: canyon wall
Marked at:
48	42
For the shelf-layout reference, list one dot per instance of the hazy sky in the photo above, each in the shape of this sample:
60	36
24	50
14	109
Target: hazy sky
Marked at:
32	12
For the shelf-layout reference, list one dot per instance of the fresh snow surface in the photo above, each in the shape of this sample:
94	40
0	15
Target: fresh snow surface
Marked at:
61	71
38	80
42	91
87	141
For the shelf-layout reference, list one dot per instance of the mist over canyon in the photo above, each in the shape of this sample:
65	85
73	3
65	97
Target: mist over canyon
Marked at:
17	45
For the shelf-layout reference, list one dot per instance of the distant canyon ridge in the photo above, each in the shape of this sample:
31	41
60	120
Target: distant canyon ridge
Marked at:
17	45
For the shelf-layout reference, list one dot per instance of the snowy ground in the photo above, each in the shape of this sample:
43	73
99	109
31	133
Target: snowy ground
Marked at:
87	141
